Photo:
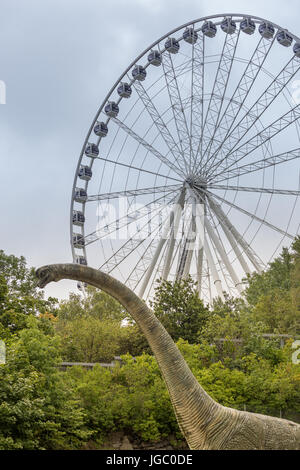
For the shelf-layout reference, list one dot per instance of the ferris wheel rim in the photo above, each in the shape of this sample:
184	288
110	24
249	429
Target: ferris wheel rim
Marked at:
256	19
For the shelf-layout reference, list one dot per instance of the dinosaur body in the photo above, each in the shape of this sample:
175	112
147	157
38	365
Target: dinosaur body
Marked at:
205	424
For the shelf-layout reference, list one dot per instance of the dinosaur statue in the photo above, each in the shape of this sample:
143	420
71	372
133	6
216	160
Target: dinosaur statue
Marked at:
205	424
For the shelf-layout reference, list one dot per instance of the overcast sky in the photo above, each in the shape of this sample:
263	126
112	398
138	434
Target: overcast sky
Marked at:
58	59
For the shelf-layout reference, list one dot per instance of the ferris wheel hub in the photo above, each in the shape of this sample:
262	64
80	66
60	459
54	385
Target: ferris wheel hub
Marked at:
196	180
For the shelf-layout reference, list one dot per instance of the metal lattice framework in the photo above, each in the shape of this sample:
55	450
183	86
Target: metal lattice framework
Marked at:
191	165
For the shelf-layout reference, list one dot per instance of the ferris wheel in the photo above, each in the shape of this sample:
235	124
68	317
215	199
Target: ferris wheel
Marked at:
191	165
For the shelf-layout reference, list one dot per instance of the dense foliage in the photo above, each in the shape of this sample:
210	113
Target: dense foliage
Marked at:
233	349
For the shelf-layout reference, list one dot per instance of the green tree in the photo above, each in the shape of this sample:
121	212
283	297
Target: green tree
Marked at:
178	306
295	277
94	303
92	327
90	339
19	295
277	276
132	398
278	312
37	410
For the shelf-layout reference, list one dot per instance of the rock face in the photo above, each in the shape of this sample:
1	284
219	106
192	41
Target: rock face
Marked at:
126	445
205	424
120	441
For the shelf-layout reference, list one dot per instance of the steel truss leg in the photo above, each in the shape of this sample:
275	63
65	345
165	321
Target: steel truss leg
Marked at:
223	219
223	256
187	255
207	250
213	269
200	268
190	253
166	230
234	245
173	237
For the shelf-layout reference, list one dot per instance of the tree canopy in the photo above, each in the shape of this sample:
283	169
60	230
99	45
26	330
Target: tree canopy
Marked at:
228	346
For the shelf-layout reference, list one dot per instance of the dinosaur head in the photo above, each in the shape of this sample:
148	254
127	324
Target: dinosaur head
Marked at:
45	275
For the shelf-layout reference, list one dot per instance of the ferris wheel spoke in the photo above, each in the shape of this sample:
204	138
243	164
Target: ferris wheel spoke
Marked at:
147	146
121	255
118	224
197	95
240	94
131	244
262	138
257	166
255	217
160	125
236	238
219	90
255	190
178	110
131	167
277	87
134	193
133	280
139	270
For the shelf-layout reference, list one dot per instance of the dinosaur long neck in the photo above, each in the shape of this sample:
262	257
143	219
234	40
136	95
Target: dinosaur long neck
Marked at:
195	409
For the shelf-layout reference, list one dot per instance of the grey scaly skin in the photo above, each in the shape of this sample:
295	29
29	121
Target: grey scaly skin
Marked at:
205	424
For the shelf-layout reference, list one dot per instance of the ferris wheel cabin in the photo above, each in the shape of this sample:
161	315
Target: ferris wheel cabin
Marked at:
190	35
172	46
124	90
228	26
154	58
248	26
80	195
85	173
92	150
111	109
266	30
297	49
139	73
284	38
101	129
78	240
78	218
81	260
209	29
